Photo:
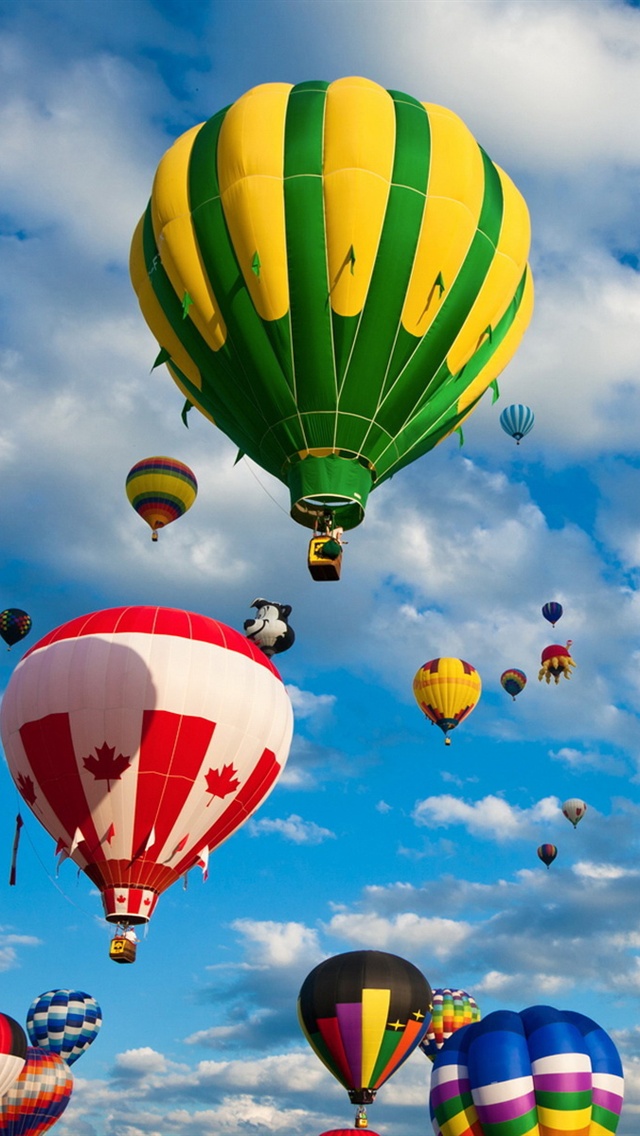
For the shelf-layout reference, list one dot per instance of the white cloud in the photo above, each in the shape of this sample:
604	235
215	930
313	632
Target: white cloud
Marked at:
491	818
306	704
277	944
294	828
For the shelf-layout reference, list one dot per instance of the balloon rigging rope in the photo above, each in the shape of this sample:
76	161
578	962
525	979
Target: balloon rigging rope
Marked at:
51	879
254	475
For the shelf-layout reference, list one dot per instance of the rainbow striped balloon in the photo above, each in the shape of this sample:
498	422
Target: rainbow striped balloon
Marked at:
452	1009
161	489
542	1070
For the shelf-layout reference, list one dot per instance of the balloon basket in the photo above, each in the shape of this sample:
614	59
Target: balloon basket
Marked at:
323	567
122	949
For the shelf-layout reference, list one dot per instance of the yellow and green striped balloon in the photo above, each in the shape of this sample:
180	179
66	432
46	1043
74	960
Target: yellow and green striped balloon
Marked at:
335	273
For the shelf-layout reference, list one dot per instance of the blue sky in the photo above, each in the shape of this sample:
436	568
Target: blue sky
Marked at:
377	836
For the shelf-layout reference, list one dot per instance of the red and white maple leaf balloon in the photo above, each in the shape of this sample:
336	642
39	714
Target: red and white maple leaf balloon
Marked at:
141	738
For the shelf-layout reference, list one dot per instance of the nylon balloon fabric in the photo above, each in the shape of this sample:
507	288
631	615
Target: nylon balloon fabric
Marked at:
38	1097
363	1013
452	1009
161	489
335	274
13	1051
64	1022
542	1070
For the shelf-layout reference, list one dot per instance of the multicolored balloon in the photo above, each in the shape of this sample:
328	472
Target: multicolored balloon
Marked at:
141	738
363	1013
335	274
452	1009
574	810
161	489
516	421
513	681
64	1022
14	625
556	661
38	1097
547	853
511	1073
552	612
13	1051
446	691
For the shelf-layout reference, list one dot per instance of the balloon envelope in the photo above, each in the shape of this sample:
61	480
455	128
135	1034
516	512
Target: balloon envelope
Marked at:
64	1022
512	1072
447	690
161	489
335	273
38	1097
574	810
513	681
517	420
13	1051
452	1009
14	625
547	853
141	738
363	1013
552	612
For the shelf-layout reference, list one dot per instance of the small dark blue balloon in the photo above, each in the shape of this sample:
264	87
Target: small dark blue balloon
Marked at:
552	612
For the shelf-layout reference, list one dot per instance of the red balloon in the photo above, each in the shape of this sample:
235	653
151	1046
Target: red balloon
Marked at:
13	1051
141	738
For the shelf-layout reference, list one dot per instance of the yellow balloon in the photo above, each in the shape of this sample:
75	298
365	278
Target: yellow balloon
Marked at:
446	691
160	489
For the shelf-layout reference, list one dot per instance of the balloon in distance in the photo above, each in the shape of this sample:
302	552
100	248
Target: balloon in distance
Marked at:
363	1013
160	489
142	738
452	1009
335	273
552	612
447	690
556	661
14	625
543	1070
513	681
547	853
574	810
517	421
64	1022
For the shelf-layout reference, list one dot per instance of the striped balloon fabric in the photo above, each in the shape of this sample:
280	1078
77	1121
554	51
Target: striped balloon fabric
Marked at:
38	1097
161	489
13	1051
517	420
452	1009
64	1022
542	1070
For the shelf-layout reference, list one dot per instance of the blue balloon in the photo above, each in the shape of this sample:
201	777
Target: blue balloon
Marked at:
64	1022
517	420
552	612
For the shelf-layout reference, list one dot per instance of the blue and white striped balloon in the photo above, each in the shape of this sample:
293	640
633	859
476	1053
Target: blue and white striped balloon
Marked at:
64	1022
517	420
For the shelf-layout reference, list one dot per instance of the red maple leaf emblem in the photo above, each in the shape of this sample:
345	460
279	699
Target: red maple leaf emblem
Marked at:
221	782
120	898
105	766
27	788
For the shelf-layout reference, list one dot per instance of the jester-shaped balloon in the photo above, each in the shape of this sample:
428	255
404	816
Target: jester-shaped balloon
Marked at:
363	1013
452	1009
335	273
556	661
64	1022
542	1070
38	1097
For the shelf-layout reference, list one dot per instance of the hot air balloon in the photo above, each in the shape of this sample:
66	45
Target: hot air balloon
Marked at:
141	738
513	681
64	1022
574	810
556	661
38	1097
160	489
547	853
447	690
335	273
516	421
363	1013
542	1070
452	1009
13	1051
552	612
14	625
270	630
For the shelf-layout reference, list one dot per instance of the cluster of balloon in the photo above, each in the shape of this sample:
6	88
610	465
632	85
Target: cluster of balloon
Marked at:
160	489
543	1070
516	421
363	1013
141	738
446	691
452	1009
513	681
328	286
14	625
547	853
270	630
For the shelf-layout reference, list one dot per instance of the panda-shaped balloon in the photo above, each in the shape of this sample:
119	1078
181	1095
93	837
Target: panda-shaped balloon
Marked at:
270	630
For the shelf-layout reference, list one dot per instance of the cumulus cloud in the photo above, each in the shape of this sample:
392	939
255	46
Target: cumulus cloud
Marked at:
293	828
491	818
